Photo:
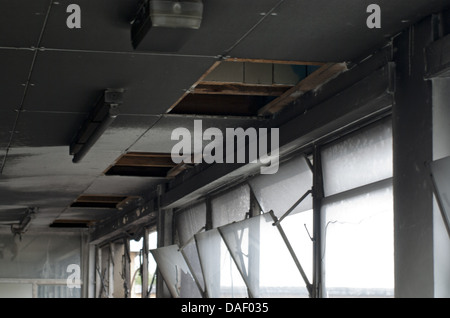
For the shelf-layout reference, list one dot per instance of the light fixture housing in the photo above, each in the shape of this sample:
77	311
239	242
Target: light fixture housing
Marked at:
171	20
176	14
102	115
22	227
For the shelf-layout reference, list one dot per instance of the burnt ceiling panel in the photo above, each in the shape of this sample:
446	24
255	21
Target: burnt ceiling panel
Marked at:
327	30
73	81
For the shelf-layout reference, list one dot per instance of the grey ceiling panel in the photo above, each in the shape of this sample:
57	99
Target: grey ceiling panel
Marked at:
119	185
73	81
55	161
87	214
42	191
328	30
158	139
7	119
105	26
125	131
15	67
224	23
40	129
21	22
46	216
2	157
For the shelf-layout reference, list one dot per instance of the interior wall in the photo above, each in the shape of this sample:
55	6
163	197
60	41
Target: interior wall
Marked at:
441	149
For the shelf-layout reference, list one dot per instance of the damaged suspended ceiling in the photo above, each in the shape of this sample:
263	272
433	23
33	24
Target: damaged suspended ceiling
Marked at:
51	77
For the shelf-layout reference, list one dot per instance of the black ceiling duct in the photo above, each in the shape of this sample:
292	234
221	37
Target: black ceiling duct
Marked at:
165	25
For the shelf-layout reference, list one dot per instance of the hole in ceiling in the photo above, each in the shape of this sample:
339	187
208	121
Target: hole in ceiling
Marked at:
143	164
242	87
99	201
71	224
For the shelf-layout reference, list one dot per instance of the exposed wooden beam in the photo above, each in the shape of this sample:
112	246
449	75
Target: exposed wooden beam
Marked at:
222	88
146	161
234	59
178	169
313	81
212	68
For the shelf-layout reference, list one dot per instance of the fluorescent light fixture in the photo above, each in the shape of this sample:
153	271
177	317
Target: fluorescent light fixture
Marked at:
102	115
165	16
22	227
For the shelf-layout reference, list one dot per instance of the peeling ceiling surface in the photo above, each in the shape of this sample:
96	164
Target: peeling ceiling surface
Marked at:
52	75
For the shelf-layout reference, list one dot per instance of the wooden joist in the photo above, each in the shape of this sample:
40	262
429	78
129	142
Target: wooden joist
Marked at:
312	82
220	88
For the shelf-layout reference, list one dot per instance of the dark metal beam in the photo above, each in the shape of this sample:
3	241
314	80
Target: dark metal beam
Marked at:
119	226
438	58
412	149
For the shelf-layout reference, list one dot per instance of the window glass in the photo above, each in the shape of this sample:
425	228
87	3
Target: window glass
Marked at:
187	223
231	206
222	277
358	245
279	191
299	230
357	160
263	258
173	267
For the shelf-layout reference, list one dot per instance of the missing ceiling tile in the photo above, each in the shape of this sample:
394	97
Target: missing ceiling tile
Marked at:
84	224
99	201
242	87
142	164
